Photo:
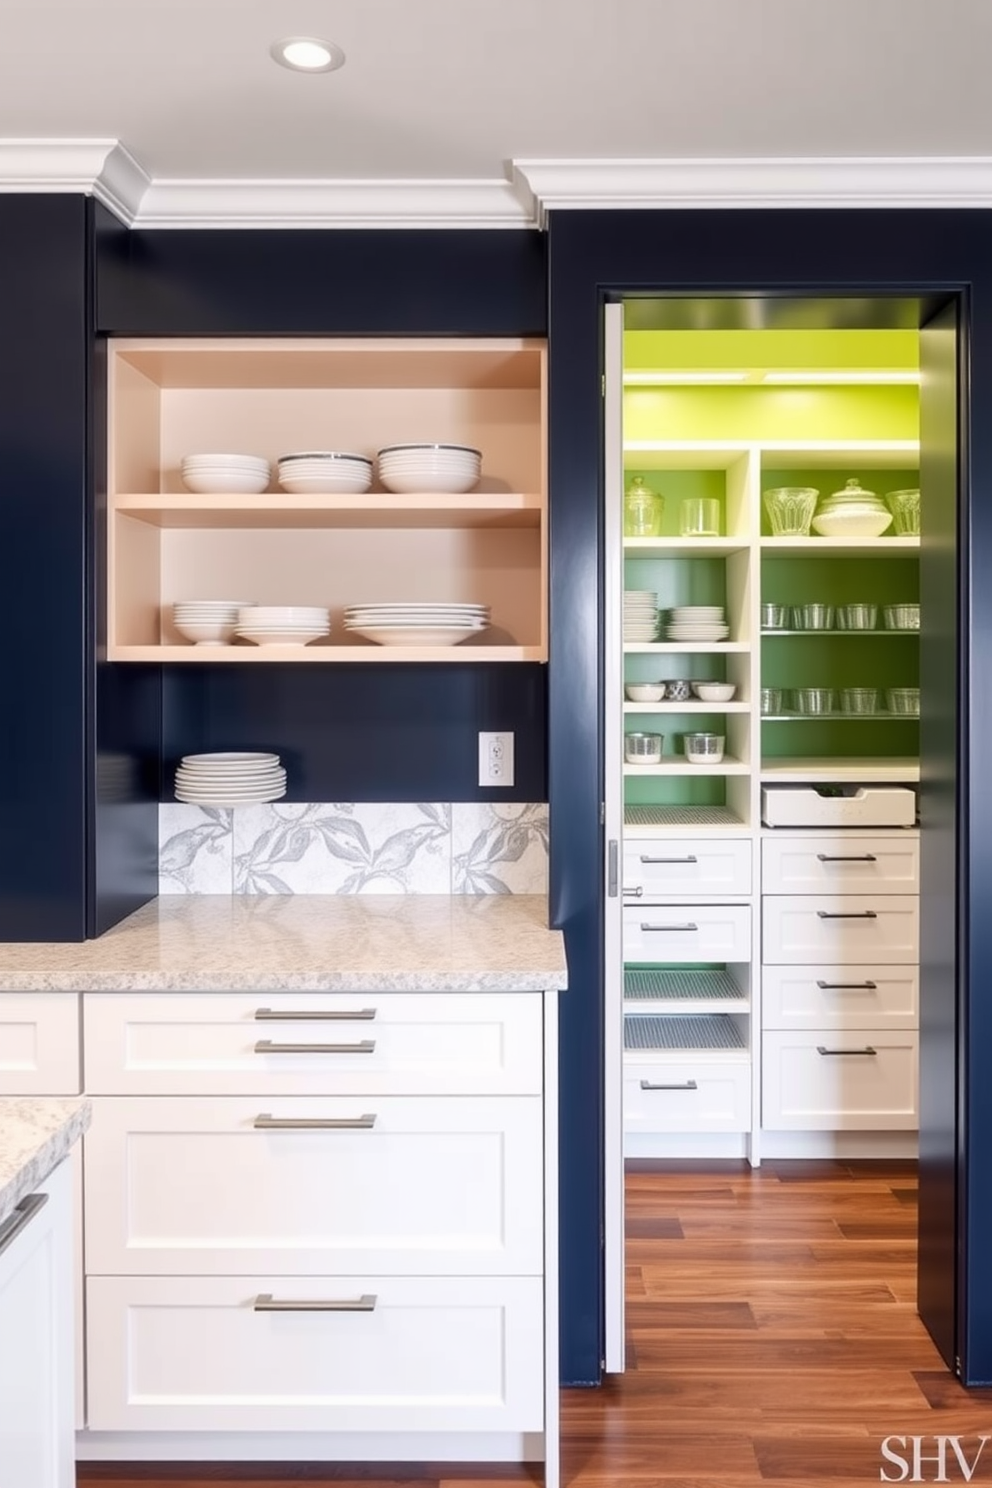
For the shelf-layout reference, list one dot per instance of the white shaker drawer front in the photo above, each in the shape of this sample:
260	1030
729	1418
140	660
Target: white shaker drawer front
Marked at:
840	865
841	929
653	870
313	1043
831	1080
39	1043
840	996
687	932
697	1095
362	1353
315	1185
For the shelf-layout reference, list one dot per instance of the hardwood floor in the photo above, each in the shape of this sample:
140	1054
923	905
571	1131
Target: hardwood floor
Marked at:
772	1338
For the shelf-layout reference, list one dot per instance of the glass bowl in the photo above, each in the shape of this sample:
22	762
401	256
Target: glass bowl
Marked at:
814	700
704	749
904	700
790	509
857	616
901	617
859	699
642	749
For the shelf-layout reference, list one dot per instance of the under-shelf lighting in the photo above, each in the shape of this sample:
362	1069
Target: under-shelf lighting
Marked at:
677	379
307	54
876	377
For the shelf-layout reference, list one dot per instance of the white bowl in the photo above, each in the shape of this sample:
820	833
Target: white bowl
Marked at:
283	614
335	483
207	632
282	638
225	482
438	482
855	524
254	462
645	692
714	692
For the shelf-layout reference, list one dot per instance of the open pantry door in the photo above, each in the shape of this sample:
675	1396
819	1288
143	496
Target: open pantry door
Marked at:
613	1177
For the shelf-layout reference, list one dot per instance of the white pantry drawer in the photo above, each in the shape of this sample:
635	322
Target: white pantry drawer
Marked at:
835	1081
840	996
695	1094
39	1043
300	1043
841	865
840	929
670	867
417	1186
683	933
192	1353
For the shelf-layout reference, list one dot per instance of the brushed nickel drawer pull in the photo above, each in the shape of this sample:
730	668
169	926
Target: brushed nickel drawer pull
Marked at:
866	1050
328	1015
265	1122
847	914
846	858
22	1216
689	926
266	1046
691	858
637	893
265	1302
657	1085
847	986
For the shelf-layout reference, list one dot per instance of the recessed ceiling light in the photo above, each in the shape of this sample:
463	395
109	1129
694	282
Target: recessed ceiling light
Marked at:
307	54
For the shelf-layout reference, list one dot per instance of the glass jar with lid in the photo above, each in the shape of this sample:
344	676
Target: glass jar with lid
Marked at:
643	509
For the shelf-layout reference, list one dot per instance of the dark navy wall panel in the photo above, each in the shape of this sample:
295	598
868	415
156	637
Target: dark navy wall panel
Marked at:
44	451
595	255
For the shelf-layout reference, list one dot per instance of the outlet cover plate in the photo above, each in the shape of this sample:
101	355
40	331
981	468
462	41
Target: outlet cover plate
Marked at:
495	759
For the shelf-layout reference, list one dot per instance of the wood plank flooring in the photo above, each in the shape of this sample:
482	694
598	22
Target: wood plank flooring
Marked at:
772	1339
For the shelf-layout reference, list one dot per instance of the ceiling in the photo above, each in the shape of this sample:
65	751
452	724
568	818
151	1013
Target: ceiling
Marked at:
490	111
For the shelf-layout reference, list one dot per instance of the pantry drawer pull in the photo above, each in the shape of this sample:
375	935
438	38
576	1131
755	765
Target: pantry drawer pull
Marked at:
866	1050
847	914
658	1085
846	858
266	1046
637	893
689	926
265	1122
847	986
265	1302
327	1015
691	858
22	1216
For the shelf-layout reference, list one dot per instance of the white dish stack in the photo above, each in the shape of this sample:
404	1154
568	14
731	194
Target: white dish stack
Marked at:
325	472
697	623
215	475
283	625
640	615
237	778
416	623
208	622
416	469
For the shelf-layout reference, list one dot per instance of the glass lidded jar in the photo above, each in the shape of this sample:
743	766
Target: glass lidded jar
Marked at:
643	509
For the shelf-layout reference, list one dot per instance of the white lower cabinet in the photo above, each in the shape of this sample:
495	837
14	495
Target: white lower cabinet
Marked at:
853	1080
686	933
698	1095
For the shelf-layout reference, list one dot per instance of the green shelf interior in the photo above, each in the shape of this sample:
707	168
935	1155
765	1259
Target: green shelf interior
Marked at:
679	580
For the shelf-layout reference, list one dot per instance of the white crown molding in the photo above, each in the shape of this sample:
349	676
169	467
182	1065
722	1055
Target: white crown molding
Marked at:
561	185
91	167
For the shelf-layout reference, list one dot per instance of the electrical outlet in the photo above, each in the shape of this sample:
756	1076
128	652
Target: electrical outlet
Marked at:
496	759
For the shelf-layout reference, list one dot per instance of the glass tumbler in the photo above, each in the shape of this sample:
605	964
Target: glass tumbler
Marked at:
813	617
643	510
904	700
858	699
772	700
699	516
905	509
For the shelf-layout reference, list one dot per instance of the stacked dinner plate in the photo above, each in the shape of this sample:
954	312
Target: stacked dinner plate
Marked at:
283	625
216	474
208	622
410	469
640	615
697	623
416	623
325	472
232	779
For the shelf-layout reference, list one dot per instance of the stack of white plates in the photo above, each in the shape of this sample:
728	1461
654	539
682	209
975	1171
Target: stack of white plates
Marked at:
697	623
235	779
640	615
413	468
416	623
208	622
283	625
215	474
325	471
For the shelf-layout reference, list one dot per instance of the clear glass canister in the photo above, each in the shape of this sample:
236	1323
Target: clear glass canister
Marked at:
643	509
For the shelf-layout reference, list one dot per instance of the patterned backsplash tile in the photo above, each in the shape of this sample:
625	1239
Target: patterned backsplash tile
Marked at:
354	848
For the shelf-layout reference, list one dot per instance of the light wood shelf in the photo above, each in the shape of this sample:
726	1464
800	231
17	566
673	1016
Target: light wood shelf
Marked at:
322	654
376	509
828	769
842	547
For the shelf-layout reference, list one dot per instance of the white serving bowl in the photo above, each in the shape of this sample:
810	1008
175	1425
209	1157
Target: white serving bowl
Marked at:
283	614
644	692
335	482
254	462
207	632
225	482
714	692
852	524
282	638
439	482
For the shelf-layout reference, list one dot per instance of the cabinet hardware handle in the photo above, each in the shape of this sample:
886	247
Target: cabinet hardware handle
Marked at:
22	1215
265	1122
638	893
327	1015
846	914
866	1050
689	926
652	1085
690	858
612	867
266	1046
265	1302
847	986
846	858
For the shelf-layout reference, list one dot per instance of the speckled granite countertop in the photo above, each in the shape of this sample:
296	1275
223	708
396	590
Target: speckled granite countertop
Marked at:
36	1133
297	943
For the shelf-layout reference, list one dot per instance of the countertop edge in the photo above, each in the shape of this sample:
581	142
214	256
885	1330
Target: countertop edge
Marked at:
41	1156
339	981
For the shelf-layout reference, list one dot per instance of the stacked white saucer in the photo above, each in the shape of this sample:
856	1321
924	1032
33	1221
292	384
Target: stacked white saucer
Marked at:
640	615
416	468
697	623
236	778
208	622
416	623
216	474
283	625
325	471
